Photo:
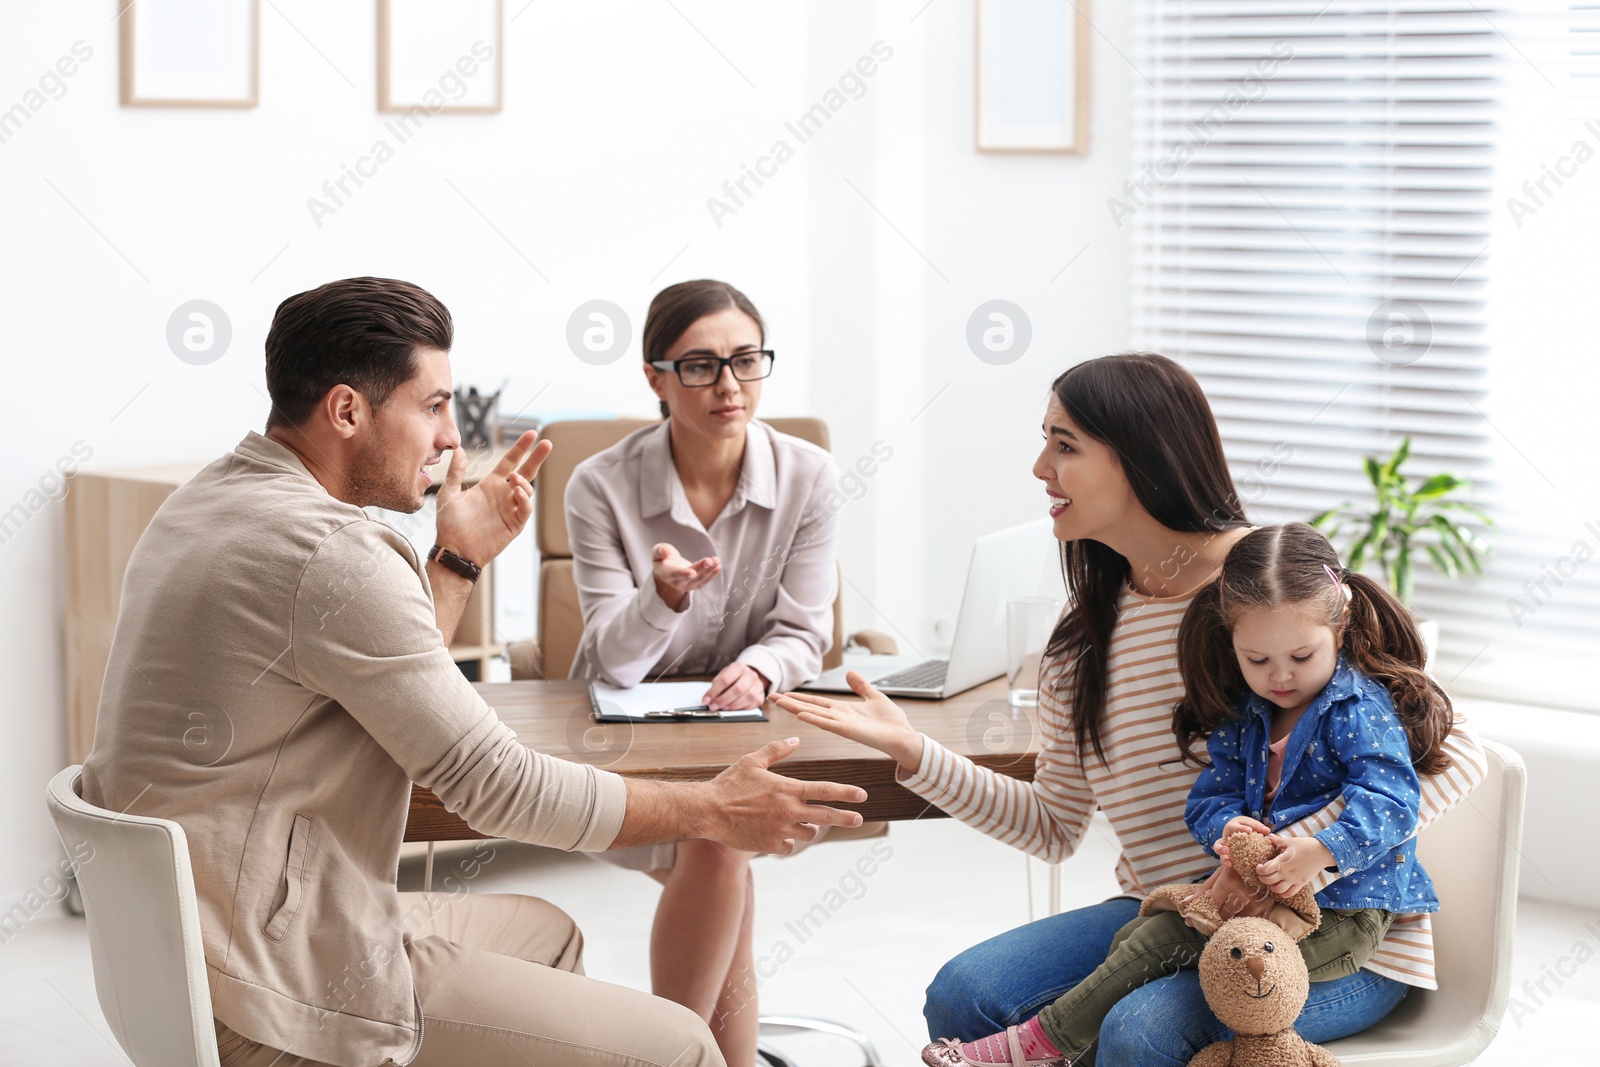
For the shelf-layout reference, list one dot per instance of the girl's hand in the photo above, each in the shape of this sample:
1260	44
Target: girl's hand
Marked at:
1293	869
737	687
676	577
1239	824
875	721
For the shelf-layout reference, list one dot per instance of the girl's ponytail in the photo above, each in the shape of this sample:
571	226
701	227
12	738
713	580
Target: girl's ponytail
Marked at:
1210	671
1383	643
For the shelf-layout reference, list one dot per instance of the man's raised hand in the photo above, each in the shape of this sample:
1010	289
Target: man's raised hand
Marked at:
478	523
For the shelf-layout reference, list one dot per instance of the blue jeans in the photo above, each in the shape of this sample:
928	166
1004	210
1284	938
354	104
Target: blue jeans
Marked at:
1009	978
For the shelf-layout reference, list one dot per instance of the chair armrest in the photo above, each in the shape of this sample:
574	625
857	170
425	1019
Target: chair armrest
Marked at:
879	644
526	660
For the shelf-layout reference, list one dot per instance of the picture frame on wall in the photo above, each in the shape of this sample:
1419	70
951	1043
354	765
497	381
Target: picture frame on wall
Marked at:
191	53
1032	67
440	55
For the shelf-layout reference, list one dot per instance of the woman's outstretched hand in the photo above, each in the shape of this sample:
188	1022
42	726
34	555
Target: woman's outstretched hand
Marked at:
874	721
676	577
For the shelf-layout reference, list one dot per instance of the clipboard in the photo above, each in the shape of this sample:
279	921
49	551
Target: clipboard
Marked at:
660	702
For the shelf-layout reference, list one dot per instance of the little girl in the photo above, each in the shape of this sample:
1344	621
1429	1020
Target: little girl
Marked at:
1306	682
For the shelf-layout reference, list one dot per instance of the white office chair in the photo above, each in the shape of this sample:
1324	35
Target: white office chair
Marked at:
144	936
1473	855
144	928
775	1025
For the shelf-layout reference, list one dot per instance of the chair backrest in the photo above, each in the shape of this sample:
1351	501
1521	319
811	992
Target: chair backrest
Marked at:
1473	854
144	928
560	620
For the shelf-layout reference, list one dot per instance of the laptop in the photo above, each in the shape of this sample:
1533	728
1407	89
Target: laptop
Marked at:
1022	561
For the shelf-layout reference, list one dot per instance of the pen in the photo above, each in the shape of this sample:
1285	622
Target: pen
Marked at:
697	711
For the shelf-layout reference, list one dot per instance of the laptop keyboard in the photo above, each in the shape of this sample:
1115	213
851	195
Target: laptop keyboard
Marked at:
928	675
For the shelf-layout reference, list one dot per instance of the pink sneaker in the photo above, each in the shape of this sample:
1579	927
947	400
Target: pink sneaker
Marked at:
948	1052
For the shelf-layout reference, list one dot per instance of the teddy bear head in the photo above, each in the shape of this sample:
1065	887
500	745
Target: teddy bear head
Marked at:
1254	977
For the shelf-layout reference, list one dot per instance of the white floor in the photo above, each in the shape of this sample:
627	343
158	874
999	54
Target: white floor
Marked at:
866	966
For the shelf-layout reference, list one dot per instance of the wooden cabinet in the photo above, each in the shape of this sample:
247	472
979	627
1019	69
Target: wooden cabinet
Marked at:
107	511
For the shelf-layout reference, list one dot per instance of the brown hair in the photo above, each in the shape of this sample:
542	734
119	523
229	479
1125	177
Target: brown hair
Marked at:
1290	564
680	306
1155	417
360	332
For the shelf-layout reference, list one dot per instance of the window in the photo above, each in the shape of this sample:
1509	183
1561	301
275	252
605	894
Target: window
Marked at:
1320	229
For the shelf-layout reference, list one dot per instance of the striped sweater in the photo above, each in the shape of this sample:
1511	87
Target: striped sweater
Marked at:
1142	787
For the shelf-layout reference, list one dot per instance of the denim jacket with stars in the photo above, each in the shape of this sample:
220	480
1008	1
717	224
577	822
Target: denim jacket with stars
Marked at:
1348	742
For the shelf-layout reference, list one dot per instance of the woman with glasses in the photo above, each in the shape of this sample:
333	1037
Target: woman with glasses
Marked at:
705	546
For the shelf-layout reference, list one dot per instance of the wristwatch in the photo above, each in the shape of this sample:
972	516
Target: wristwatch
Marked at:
448	559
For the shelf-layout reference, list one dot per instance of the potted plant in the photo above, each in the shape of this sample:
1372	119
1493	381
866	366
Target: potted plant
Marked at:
1408	515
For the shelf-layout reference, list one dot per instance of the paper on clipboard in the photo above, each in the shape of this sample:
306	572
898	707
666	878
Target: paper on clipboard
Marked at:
684	701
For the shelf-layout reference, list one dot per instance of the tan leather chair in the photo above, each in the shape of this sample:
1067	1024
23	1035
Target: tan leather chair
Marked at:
560	622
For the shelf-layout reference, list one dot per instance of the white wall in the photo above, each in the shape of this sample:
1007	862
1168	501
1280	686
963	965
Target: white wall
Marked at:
619	122
1560	853
894	282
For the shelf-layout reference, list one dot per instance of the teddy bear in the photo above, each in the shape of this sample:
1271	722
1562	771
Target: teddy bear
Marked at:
1297	916
1255	981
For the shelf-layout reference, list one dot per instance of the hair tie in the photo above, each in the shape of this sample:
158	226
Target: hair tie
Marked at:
1337	584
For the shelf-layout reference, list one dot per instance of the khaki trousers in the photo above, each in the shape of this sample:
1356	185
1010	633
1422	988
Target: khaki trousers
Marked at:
501	980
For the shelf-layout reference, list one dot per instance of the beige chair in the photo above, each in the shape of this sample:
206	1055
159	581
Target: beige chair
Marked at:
1473	855
560	622
144	928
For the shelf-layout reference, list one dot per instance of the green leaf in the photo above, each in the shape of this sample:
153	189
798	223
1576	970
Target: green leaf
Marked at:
1462	505
1444	563
1374	473
1401	454
1359	550
1438	486
1469	543
1380	528
1402	585
1448	550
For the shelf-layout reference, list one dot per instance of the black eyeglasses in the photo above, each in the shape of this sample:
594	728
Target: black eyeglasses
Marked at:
697	372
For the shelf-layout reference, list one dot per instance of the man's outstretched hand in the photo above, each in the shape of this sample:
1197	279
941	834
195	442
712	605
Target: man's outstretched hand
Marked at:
757	810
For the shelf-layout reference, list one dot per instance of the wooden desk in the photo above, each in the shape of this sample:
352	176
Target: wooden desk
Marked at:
553	718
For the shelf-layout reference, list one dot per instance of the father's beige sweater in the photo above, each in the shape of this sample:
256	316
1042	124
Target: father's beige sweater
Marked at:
276	683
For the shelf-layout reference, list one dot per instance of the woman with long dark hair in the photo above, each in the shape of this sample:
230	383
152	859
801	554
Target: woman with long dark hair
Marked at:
1146	511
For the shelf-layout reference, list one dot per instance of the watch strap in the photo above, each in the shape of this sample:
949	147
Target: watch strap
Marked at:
450	561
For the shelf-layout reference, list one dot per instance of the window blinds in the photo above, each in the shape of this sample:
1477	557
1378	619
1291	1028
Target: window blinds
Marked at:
1311	205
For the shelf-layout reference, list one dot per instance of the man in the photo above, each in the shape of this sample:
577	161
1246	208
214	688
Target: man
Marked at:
305	640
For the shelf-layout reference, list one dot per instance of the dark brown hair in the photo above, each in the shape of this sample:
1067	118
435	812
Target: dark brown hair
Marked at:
1155	417
1290	564
360	332
680	306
